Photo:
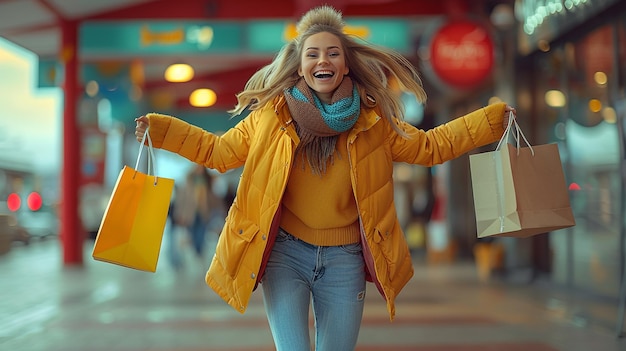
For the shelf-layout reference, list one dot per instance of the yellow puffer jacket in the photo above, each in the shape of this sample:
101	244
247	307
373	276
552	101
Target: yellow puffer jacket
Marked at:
264	142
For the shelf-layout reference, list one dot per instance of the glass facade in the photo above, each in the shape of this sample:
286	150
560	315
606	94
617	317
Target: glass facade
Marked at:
578	100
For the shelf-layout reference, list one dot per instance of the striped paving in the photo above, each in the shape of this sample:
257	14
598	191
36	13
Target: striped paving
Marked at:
47	307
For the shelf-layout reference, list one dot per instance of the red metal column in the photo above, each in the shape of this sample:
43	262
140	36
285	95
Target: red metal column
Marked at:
72	235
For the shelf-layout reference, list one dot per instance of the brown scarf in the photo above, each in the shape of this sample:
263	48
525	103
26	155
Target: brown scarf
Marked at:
319	124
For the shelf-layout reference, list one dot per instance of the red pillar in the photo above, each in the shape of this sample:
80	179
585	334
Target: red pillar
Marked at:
72	235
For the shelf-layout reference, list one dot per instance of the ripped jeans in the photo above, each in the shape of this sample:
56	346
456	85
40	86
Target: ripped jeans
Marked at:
332	278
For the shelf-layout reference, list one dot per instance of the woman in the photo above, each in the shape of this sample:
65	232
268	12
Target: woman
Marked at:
314	216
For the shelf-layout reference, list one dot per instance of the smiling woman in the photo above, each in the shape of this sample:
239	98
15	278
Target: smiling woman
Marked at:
316	191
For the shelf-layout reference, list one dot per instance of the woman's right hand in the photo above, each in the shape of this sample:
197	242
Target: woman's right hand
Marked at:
140	128
508	110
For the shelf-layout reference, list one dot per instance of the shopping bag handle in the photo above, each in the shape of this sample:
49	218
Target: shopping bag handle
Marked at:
151	157
518	133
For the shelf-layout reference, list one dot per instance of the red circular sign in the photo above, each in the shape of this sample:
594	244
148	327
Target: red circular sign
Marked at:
462	54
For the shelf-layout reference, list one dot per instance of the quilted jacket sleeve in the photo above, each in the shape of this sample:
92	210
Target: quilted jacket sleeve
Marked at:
222	152
452	139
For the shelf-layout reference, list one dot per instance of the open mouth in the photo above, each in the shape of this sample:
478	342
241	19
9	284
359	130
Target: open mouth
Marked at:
323	74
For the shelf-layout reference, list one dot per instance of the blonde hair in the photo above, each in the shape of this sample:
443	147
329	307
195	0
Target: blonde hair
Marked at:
373	69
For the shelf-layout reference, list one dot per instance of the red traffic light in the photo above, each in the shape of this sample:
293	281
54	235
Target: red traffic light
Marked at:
14	202
34	201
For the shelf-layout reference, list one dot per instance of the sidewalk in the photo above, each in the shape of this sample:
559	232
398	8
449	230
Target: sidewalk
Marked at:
97	307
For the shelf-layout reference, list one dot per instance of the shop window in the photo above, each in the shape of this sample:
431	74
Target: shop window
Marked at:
576	84
589	73
592	143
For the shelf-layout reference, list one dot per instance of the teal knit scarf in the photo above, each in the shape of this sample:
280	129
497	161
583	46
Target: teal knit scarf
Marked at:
319	124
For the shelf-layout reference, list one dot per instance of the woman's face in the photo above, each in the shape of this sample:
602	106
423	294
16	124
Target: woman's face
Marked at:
323	64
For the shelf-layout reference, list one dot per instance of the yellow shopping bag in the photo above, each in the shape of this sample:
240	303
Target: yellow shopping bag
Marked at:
131	230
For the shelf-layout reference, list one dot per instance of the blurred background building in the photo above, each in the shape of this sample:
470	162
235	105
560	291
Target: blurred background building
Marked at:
74	74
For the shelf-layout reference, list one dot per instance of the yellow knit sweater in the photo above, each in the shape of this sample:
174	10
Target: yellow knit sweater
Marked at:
321	210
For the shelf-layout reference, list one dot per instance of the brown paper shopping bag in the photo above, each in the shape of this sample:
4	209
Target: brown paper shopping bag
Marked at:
519	191
131	230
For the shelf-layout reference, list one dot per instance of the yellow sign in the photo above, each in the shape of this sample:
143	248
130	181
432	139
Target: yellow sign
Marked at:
148	37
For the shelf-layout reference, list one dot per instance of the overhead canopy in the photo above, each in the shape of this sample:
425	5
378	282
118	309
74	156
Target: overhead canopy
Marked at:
36	26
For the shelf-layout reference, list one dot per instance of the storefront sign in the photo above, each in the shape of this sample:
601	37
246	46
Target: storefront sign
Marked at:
220	37
160	37
268	36
462	54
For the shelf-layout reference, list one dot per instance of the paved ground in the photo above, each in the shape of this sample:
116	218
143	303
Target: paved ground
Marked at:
97	307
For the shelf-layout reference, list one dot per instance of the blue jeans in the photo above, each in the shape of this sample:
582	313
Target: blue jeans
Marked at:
331	277
198	234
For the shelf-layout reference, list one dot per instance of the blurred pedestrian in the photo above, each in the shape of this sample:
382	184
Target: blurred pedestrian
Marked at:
314	218
196	209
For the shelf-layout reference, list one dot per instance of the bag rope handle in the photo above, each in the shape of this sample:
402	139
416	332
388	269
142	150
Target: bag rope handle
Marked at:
151	156
518	132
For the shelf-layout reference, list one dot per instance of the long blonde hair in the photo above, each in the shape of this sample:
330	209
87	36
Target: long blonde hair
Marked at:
372	69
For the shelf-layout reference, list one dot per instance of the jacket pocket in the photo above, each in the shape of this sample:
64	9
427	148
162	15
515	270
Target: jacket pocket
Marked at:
389	243
235	241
